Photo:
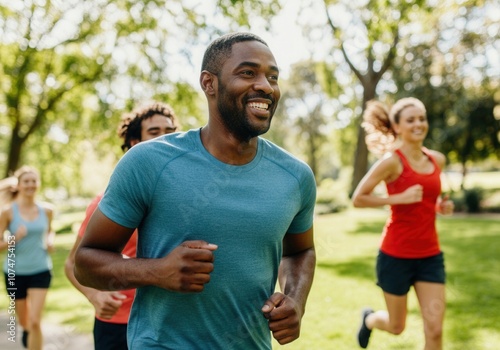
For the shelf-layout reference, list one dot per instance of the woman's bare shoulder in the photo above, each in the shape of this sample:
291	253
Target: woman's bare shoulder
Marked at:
390	159
48	207
439	157
6	210
390	166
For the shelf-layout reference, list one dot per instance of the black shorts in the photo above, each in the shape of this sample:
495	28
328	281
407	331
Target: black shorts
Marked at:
18	285
110	336
396	275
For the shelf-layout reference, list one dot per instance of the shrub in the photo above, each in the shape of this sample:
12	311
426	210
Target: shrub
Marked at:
473	199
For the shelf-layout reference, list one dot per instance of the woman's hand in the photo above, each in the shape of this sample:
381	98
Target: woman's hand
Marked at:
21	233
412	194
445	206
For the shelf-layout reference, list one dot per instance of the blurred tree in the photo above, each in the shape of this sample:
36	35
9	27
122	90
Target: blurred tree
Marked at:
367	38
454	74
367	34
306	107
68	69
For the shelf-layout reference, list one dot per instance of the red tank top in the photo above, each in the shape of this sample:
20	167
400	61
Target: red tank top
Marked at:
410	231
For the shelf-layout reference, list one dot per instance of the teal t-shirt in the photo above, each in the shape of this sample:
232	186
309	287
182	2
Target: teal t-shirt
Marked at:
30	254
173	190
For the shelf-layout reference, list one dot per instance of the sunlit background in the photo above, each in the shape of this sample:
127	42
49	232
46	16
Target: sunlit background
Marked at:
70	68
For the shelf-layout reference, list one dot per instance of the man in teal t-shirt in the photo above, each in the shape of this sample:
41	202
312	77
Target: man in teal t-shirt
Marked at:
222	214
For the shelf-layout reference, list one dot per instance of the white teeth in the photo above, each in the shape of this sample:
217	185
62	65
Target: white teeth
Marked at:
259	105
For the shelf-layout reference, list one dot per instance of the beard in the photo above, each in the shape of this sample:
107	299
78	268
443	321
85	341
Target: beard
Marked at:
235	118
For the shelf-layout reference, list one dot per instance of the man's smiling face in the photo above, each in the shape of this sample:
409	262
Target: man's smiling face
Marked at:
248	90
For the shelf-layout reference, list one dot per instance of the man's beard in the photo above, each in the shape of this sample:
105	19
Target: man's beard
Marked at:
236	119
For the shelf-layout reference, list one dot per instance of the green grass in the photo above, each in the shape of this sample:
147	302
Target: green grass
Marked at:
346	245
345	282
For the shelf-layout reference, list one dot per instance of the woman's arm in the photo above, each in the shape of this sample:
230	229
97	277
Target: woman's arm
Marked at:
444	205
386	169
4	223
51	235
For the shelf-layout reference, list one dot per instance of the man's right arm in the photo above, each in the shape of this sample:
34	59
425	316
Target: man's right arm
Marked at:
98	258
106	303
99	263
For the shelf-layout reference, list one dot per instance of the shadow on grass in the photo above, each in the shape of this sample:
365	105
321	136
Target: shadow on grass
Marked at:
372	227
472	258
360	268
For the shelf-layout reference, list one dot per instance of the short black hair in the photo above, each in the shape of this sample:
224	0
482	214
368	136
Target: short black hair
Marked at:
220	49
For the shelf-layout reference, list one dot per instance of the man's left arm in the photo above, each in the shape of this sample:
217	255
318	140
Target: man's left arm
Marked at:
285	310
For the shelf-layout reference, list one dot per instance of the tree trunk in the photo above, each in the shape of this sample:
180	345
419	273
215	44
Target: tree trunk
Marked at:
360	165
464	173
14	155
312	155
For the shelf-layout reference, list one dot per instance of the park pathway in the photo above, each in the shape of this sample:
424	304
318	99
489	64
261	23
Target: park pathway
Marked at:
56	337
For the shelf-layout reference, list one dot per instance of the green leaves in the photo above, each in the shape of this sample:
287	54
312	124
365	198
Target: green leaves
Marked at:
69	69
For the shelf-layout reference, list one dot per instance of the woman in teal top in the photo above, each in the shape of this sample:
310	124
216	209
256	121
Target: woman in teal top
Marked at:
27	265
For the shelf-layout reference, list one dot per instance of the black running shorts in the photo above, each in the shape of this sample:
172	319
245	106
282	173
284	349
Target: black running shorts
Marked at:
396	275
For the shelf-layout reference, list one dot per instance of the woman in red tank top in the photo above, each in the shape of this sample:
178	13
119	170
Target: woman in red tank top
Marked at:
409	252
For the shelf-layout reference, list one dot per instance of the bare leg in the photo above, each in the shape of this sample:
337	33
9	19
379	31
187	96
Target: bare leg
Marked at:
394	319
22	312
431	297
37	300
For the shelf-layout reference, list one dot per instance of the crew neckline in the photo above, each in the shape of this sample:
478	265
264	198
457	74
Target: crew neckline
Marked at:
229	167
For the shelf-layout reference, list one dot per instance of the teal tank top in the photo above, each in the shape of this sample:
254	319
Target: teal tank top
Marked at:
31	254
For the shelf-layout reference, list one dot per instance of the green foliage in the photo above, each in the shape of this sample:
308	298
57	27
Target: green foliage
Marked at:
240	10
332	196
427	48
472	199
306	108
68	70
459	96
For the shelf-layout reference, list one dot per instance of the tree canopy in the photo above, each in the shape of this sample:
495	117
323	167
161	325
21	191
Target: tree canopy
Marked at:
378	42
69	69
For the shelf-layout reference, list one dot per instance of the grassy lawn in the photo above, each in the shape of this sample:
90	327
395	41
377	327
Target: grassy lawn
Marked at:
344	283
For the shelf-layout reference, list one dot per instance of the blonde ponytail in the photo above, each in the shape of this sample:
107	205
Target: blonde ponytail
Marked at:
7	190
380	137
